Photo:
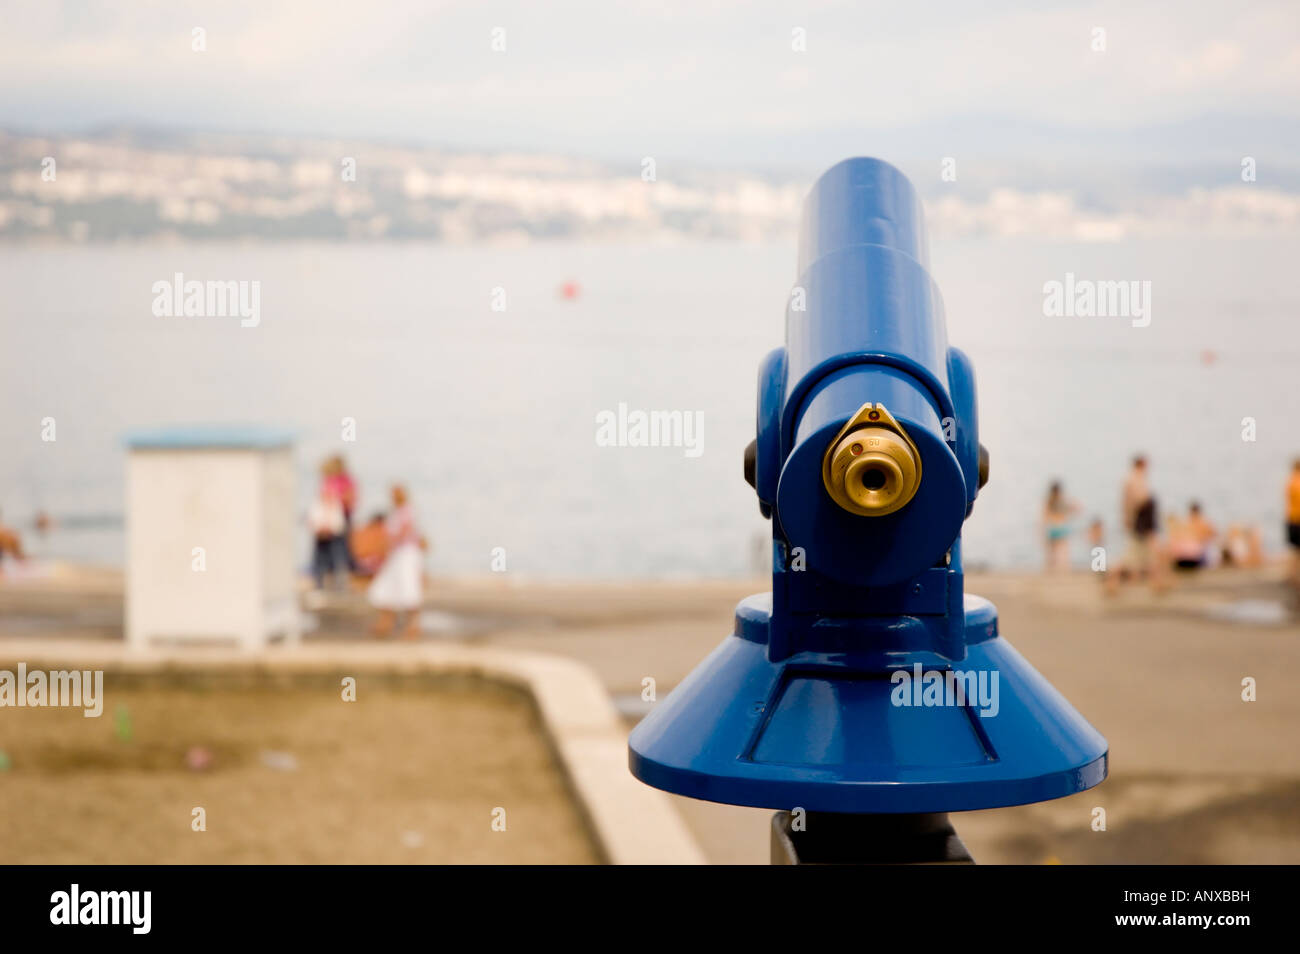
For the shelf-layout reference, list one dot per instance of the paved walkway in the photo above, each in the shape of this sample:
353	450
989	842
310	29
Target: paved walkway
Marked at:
1197	775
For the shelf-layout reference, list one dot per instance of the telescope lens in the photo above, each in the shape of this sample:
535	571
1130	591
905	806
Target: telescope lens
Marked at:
873	470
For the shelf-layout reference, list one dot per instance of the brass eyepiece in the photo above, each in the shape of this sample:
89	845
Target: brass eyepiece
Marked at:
872	468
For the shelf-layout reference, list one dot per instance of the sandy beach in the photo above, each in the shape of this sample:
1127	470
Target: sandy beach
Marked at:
286	775
1197	774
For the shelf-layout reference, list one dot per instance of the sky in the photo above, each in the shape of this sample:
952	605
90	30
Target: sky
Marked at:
708	80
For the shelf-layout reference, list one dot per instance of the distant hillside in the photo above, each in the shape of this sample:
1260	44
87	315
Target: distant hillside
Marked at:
142	185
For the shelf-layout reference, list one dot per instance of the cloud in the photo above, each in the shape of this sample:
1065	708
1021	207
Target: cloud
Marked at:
645	78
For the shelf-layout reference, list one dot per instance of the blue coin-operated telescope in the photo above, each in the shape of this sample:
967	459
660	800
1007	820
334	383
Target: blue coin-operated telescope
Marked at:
866	682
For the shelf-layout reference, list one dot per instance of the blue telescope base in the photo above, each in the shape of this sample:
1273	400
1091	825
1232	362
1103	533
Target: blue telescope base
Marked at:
839	732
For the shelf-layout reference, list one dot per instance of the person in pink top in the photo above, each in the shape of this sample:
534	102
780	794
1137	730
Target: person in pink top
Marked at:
340	485
398	587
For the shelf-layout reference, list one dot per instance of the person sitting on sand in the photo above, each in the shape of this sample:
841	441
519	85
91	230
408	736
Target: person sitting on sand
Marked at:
1096	543
1189	540
368	544
398	586
1241	546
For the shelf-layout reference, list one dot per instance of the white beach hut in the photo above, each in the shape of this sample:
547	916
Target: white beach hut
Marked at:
210	537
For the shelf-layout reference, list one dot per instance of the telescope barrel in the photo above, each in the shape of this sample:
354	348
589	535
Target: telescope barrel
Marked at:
865	325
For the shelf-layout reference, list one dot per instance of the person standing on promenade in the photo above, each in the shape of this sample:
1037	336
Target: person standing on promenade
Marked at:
1141	524
326	521
344	488
1293	522
1058	512
399	584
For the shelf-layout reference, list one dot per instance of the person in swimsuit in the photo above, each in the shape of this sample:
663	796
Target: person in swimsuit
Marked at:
1058	512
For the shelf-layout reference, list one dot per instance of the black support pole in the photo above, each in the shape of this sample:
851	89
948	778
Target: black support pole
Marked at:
823	838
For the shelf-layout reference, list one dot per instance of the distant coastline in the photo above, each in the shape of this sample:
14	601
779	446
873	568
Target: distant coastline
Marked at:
138	186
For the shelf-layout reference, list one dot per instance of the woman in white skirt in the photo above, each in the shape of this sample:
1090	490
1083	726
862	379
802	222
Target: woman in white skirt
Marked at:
398	586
